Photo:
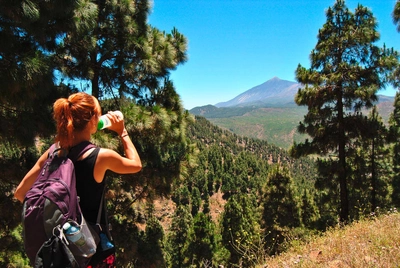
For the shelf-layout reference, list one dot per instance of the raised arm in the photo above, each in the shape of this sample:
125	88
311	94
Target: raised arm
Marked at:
111	160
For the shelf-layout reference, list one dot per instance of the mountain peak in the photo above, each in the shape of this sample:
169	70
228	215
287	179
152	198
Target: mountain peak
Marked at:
273	91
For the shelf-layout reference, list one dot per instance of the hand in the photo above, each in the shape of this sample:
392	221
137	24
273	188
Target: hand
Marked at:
117	123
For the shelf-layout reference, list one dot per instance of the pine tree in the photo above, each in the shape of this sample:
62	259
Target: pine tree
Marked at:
239	228
151	249
280	207
121	54
29	32
195	201
201	240
346	72
280	204
309	210
177	240
396	15
394	134
395	123
371	171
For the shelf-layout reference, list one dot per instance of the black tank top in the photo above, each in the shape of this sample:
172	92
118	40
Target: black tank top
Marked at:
89	191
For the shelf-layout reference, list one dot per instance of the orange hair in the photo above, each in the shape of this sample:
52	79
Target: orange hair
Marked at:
73	114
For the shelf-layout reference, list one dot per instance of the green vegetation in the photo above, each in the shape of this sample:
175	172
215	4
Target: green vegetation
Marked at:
275	125
227	199
346	72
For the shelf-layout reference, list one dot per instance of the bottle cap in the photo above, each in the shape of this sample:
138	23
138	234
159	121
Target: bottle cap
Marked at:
100	125
66	226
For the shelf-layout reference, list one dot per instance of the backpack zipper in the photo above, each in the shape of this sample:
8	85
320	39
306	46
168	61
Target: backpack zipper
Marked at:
44	167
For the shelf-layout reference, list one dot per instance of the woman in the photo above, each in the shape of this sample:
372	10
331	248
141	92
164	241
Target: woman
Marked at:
77	118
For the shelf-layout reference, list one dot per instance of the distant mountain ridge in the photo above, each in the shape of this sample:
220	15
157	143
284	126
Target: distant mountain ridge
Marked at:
274	91
268	112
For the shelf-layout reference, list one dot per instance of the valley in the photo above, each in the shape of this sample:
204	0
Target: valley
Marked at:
274	117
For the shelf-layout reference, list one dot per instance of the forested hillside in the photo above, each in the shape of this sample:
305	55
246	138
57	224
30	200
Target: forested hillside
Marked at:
207	135
240	190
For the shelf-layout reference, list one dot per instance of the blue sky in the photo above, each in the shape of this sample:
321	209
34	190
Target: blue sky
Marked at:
234	45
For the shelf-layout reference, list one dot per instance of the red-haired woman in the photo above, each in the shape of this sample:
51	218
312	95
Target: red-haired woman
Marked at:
77	118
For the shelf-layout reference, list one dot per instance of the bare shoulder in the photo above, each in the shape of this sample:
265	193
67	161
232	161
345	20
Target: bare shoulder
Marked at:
105	153
111	160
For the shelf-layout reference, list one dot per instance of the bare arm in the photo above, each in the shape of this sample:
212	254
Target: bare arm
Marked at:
110	160
30	178
129	148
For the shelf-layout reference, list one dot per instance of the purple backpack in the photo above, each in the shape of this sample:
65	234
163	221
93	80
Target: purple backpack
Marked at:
52	199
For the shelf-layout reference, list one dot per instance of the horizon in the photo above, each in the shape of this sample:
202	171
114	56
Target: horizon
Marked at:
235	46
380	93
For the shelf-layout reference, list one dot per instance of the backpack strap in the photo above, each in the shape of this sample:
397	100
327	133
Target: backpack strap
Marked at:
74	153
107	226
54	148
100	209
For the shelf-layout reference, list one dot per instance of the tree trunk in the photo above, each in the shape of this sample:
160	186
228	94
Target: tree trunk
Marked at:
373	178
344	202
95	86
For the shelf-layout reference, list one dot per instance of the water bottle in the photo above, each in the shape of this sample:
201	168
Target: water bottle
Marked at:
105	243
75	236
105	122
